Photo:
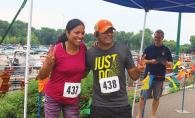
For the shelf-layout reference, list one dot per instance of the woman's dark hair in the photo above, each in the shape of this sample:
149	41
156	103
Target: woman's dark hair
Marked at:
70	25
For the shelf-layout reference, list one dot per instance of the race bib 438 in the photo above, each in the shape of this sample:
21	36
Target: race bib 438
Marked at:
109	85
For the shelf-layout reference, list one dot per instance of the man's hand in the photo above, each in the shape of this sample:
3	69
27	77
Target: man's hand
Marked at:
141	64
164	63
95	43
153	61
50	59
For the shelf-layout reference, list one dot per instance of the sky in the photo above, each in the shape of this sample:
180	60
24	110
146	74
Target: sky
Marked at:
56	13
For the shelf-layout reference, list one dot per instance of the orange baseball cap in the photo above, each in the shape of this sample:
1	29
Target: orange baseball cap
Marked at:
103	25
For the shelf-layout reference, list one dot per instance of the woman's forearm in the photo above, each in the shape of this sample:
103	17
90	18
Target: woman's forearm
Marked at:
45	71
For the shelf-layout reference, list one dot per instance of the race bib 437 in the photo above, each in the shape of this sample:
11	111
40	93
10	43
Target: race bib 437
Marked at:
71	90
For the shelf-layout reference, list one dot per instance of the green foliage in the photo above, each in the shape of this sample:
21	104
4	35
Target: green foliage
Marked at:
192	41
186	45
170	44
173	90
33	99
182	49
130	95
12	104
188	83
135	41
89	37
86	90
47	36
89	44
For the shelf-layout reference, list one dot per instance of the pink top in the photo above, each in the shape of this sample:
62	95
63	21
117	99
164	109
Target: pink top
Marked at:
68	68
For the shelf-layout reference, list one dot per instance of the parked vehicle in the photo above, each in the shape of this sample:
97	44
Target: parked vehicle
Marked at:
134	55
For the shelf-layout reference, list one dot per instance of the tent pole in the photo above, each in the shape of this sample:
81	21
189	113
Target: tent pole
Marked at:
177	44
140	53
27	57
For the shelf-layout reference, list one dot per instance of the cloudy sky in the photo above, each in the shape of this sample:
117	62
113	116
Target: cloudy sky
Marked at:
56	13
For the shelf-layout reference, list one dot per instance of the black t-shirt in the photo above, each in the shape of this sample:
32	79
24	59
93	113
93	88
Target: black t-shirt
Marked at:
105	64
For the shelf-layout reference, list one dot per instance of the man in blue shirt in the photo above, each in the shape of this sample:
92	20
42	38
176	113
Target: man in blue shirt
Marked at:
158	56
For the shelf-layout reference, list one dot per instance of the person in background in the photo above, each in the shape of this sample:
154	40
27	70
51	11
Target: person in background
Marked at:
158	56
108	61
66	62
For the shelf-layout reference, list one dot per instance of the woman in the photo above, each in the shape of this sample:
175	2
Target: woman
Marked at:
66	62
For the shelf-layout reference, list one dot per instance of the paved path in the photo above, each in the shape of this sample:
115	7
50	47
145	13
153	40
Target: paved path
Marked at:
169	103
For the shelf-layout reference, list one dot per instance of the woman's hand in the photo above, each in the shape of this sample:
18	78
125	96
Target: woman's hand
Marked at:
50	59
154	62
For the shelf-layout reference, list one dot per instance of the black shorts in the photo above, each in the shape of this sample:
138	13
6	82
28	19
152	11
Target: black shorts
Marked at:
110	112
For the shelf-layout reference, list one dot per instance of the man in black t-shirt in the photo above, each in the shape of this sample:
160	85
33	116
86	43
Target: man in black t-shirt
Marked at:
108	61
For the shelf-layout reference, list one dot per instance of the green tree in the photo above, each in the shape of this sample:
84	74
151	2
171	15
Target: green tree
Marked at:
23	41
18	39
170	44
12	40
89	37
34	40
186	45
56	35
6	39
47	36
192	41
21	25
2	32
89	44
123	37
14	31
148	38
182	49
136	39
164	41
3	26
24	32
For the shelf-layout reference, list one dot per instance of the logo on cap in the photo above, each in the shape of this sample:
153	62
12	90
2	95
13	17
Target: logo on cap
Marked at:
103	25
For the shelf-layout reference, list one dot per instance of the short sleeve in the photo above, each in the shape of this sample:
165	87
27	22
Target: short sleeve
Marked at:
83	47
129	63
145	52
169	55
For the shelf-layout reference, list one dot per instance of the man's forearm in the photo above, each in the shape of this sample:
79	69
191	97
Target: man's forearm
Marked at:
136	74
147	61
169	63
